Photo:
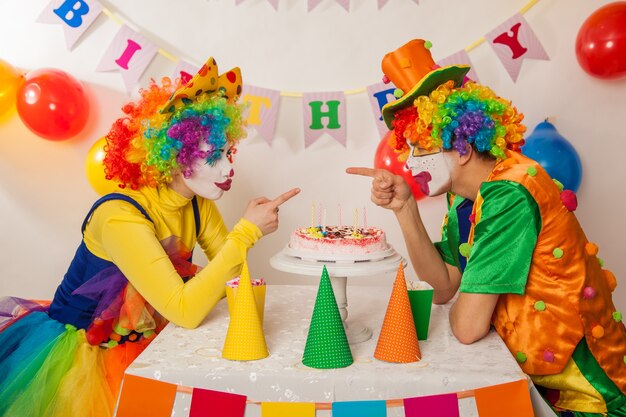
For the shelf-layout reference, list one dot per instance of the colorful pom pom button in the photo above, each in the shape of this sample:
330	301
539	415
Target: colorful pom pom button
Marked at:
472	218
568	198
601	261
617	316
397	93
520	357
558	184
589	293
548	356
540	306
428	44
386	79
591	249
597	331
557	253
531	171
610	279
625	360
111	344
464	249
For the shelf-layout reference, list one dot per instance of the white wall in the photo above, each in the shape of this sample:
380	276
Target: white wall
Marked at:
44	193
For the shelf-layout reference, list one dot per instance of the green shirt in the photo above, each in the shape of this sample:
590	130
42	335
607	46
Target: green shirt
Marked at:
504	239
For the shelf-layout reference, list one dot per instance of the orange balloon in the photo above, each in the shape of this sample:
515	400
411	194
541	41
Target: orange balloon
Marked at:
94	169
10	82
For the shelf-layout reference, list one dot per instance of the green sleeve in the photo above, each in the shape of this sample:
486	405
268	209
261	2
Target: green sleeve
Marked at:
504	240
449	233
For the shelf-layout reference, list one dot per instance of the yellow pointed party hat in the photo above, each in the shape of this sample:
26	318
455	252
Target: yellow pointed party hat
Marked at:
245	340
398	339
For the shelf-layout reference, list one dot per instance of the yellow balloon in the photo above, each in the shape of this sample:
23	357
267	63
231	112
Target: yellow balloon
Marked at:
94	169
10	82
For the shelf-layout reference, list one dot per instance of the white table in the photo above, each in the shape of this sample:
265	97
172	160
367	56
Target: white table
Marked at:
193	358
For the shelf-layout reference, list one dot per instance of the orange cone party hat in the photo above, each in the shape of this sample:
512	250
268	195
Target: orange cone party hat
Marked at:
398	339
245	340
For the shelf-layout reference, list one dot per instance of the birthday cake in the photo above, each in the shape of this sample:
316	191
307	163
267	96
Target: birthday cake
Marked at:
338	240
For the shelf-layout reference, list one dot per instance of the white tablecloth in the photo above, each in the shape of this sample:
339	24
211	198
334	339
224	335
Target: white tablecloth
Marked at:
193	357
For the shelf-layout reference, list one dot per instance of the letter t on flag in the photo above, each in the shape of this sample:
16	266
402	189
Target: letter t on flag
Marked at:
513	41
129	53
324	112
262	110
75	15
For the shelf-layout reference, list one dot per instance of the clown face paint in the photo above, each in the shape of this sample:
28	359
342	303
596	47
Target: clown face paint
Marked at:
430	170
212	180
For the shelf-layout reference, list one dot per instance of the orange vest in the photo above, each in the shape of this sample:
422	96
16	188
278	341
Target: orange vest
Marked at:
568	294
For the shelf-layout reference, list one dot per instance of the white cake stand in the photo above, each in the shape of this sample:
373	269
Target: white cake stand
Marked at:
340	267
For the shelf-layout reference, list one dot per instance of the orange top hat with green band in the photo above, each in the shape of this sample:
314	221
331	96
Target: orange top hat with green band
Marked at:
206	81
412	70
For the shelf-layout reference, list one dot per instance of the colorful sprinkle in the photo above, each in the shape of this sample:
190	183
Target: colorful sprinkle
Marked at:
540	306
520	357
597	331
557	253
532	171
548	355
617	316
589	293
464	249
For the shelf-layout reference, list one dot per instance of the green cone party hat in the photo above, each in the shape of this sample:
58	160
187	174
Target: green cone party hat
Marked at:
326	345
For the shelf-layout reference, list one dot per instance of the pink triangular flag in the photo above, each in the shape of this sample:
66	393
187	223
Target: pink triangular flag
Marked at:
262	111
381	3
130	54
345	4
312	4
75	21
380	94
324	113
513	41
460	57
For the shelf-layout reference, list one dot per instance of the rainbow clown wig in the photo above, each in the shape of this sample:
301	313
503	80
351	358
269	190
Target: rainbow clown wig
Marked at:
451	118
148	145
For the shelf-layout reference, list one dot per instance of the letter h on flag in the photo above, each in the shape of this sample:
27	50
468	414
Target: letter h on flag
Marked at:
324	112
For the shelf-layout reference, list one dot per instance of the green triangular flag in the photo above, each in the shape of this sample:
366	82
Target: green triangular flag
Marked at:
326	345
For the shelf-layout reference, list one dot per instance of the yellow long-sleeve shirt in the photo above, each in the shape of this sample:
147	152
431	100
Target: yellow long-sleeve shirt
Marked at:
120	233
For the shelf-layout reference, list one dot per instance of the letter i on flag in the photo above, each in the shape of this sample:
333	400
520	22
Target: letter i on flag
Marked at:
75	15
513	41
262	111
130	54
324	112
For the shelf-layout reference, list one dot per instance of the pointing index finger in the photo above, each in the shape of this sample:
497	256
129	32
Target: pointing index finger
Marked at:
285	196
366	172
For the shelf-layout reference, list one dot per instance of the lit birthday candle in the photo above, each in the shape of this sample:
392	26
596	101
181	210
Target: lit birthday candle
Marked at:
356	219
319	215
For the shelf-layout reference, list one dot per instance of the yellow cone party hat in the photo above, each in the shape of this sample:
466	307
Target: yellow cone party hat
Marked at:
245	340
398	339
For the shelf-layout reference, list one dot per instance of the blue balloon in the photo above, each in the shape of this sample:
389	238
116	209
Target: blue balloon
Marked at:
555	154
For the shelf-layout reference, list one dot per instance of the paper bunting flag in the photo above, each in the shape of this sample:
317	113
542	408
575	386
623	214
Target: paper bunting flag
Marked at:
444	405
75	21
460	57
274	3
161	394
283	409
513	41
129	53
381	3
262	112
490	404
245	340
376	408
326	344
207	403
398	339
324	113
379	95
185	71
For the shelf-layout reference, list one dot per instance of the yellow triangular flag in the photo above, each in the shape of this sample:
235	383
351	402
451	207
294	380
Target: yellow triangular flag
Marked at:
245	340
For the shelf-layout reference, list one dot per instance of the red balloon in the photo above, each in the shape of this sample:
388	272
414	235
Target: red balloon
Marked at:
387	158
53	104
601	42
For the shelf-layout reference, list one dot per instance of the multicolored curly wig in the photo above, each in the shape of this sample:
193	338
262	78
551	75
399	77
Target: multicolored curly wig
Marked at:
451	118
146	147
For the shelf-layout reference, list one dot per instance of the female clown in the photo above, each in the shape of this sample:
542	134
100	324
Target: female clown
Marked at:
172	156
